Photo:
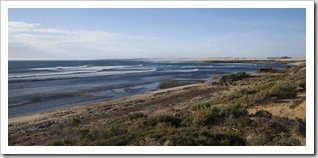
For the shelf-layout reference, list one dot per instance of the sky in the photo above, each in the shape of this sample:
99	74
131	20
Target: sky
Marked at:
84	34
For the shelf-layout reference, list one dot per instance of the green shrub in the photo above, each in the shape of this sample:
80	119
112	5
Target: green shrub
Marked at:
122	140
260	139
244	122
300	127
114	130
283	91
247	91
61	142
204	105
217	115
284	140
74	122
205	117
257	96
136	115
260	98
301	83
171	120
83	132
177	137
93	135
162	125
204	138
235	111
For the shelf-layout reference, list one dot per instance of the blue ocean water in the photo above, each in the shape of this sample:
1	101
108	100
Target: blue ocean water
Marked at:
39	86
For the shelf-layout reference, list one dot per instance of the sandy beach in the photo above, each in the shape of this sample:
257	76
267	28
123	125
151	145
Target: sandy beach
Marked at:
41	129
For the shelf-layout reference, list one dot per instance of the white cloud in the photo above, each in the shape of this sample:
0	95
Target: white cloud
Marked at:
31	39
21	26
14	26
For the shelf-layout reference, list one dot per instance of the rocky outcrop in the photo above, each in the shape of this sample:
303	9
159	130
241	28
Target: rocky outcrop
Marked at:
269	70
234	77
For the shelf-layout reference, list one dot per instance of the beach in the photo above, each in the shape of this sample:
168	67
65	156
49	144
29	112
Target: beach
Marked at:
44	128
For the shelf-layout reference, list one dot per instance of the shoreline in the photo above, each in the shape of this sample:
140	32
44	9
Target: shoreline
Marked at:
291	61
109	112
80	107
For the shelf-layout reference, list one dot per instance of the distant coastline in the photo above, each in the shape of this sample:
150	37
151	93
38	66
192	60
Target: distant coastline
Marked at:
277	60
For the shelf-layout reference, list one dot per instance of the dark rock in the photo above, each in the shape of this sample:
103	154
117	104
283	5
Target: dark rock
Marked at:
268	70
233	77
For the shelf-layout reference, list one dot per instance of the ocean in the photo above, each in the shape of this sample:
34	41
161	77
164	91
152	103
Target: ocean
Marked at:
41	86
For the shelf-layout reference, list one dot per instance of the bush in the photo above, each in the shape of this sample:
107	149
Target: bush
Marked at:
235	111
244	122
259	139
61	142
263	113
179	136
301	83
171	120
204	105
135	116
74	122
300	127
217	115
206	138
93	135
206	117
247	97
83	132
283	91
162	125
284	140
114	130
260	98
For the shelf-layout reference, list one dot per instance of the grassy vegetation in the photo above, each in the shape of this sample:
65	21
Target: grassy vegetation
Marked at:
74	122
220	121
227	125
135	116
283	86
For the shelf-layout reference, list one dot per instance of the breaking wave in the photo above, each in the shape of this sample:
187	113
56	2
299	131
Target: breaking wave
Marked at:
182	70
80	71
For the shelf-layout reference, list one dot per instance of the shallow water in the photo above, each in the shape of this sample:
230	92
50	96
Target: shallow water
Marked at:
39	86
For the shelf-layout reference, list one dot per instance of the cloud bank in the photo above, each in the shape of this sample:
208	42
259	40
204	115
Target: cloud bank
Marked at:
32	41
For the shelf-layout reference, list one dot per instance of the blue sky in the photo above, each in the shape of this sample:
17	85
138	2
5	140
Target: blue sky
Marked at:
155	33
